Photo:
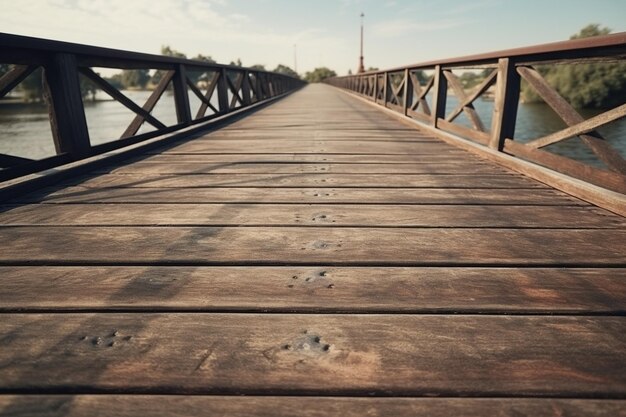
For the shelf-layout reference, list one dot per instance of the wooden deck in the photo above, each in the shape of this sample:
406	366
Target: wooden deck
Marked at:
316	257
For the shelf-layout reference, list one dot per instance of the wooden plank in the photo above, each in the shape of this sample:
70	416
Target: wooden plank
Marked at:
312	245
499	196
309	180
315	354
306	289
296	168
272	406
305	135
354	158
319	147
310	215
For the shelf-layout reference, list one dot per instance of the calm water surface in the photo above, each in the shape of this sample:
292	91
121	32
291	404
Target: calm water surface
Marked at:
25	129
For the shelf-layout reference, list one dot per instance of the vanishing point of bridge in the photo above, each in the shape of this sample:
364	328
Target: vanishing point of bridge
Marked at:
312	250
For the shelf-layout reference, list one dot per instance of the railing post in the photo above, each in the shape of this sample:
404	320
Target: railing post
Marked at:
181	95
505	104
245	88
408	92
439	95
222	92
68	122
375	88
258	89
385	88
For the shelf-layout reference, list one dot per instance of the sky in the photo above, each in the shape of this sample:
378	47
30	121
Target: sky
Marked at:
324	32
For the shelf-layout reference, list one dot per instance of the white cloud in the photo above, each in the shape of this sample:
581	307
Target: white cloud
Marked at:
209	27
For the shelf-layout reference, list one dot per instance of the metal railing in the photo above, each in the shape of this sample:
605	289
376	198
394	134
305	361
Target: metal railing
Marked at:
409	89
228	88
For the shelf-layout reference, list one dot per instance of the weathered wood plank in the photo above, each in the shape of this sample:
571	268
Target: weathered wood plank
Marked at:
316	289
310	215
296	168
482	196
354	158
310	180
272	406
313	134
317	354
311	245
318	147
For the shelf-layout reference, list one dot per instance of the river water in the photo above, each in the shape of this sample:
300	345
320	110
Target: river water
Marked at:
25	129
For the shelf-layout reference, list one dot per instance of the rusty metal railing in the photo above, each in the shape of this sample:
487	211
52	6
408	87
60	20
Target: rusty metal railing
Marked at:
421	92
228	88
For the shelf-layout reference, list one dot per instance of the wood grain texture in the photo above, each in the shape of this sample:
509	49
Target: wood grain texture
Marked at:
418	196
312	245
317	147
311	215
313	254
329	158
289	168
268	406
316	289
315	354
309	180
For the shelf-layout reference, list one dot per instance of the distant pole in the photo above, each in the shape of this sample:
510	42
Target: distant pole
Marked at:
295	58
361	66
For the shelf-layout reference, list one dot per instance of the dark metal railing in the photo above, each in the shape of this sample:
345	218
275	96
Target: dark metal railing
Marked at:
228	88
406	89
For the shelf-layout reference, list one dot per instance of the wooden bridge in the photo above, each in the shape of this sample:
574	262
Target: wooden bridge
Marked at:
312	251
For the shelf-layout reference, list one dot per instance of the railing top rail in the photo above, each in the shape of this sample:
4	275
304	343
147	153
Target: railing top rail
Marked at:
107	57
548	51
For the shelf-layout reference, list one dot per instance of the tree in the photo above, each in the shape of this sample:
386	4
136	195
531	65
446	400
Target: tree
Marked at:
88	88
284	69
204	58
166	50
200	76
32	86
594	85
115	80
319	74
236	63
470	79
591	30
258	67
135	78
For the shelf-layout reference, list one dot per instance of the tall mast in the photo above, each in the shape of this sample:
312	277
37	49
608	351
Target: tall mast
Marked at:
361	66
